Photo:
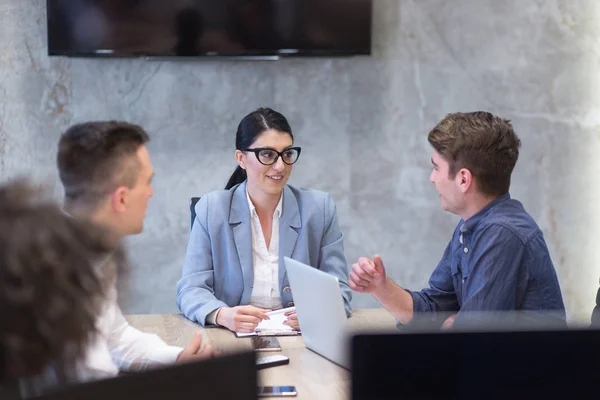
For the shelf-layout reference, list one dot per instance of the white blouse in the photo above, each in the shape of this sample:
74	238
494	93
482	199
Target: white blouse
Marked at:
265	292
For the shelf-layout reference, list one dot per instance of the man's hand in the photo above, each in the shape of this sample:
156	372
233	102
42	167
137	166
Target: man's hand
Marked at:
194	350
448	323
241	319
367	276
292	320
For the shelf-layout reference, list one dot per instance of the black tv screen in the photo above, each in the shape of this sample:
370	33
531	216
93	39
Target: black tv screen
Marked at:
164	28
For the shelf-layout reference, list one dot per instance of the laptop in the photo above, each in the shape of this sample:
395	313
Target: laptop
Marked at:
225	377
321	313
477	365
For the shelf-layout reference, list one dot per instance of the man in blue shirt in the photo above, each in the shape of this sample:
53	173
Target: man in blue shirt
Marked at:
596	312
497	259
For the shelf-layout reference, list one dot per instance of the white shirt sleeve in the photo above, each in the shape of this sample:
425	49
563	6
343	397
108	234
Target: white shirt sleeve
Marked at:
118	346
211	318
131	349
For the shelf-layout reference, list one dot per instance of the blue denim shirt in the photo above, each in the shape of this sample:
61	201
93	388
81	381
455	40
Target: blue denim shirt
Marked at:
497	260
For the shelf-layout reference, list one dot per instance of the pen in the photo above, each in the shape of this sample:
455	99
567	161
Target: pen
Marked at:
282	311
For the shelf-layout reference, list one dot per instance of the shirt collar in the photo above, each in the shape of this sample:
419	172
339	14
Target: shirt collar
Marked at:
472	222
99	265
253	209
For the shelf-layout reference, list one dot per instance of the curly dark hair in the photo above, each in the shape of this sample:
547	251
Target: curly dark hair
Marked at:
53	281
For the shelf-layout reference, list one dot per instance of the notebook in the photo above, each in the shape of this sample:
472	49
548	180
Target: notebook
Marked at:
273	326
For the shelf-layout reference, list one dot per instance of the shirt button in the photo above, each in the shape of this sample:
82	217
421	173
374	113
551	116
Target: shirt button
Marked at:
291	304
287	289
466	250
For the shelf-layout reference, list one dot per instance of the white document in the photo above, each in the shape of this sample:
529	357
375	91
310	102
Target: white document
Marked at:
273	326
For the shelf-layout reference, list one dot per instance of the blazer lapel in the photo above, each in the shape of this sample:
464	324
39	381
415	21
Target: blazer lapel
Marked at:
289	223
239	220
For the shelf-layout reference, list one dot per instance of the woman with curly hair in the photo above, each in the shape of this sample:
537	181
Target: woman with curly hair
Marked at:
54	273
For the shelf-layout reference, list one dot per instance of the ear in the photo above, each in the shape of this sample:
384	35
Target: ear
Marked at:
464	179
119	199
240	158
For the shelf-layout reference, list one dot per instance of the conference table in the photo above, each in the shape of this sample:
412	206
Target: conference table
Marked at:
314	376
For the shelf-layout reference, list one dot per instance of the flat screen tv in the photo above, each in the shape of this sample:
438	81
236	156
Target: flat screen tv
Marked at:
209	28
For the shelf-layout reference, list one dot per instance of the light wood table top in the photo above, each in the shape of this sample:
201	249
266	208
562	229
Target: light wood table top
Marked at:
314	376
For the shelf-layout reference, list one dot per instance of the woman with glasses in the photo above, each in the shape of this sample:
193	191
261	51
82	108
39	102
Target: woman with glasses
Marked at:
233	272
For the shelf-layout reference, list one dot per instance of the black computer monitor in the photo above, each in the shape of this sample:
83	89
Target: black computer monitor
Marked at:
226	377
476	365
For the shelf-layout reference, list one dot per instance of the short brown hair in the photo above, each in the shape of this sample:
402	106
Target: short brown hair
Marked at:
483	143
53	283
94	158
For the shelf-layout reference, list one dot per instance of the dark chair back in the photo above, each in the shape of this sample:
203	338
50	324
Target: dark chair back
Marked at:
193	202
225	377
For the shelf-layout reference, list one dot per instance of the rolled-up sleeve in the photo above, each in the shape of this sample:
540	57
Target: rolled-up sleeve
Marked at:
440	296
132	349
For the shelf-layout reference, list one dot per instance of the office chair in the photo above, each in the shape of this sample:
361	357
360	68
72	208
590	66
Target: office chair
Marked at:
193	202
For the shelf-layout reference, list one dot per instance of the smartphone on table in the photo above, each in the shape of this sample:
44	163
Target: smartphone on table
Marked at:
276	391
265	343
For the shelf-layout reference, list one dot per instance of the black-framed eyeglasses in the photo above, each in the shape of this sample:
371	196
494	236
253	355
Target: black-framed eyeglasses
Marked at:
269	156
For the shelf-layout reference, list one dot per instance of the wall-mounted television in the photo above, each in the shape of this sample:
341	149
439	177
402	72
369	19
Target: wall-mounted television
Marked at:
209	28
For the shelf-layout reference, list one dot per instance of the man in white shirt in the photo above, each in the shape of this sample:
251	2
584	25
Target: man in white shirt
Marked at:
107	177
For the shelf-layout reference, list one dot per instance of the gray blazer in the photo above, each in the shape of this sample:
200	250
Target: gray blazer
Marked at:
218	270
